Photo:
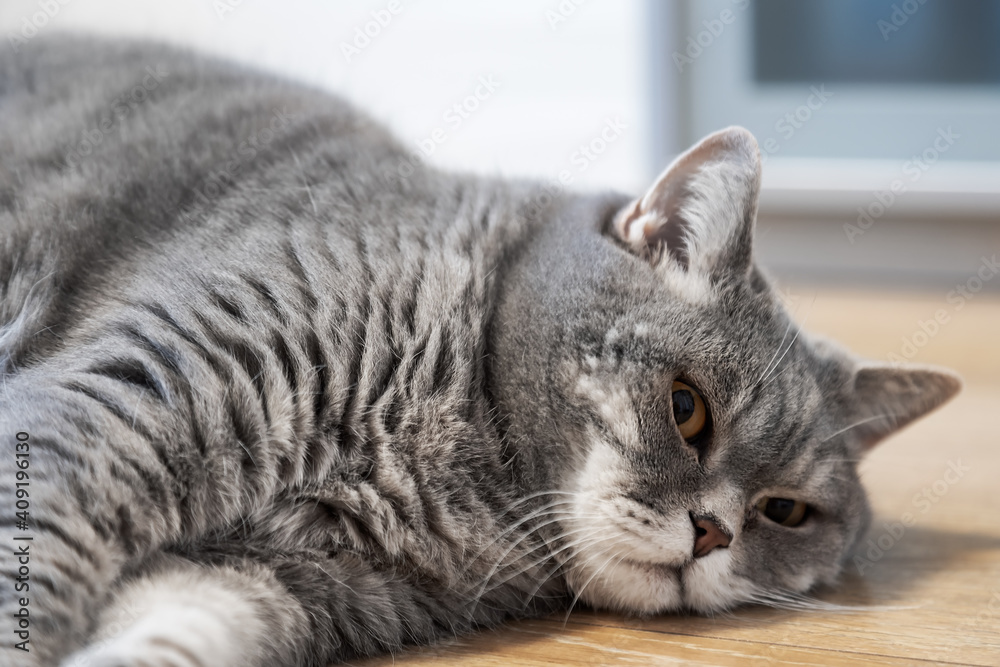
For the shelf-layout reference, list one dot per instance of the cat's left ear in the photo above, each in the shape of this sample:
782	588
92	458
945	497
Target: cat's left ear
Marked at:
883	399
699	215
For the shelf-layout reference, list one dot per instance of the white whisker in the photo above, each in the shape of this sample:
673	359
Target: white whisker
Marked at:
800	602
597	572
767	367
859	423
770	378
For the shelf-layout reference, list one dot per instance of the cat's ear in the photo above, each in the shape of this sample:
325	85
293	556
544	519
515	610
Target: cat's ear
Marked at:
700	212
884	399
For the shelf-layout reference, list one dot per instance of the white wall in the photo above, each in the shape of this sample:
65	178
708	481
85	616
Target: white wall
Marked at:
559	82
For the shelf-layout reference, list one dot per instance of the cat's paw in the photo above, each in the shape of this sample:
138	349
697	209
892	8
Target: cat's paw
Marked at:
178	635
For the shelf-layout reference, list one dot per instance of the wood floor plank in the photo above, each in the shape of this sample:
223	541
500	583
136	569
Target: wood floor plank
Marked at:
579	644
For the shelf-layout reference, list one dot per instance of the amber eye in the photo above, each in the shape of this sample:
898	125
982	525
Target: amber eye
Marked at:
783	511
689	410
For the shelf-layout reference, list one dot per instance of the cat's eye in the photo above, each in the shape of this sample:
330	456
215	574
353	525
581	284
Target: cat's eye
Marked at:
783	511
690	413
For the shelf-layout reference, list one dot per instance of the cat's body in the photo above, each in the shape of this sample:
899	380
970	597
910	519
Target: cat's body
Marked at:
298	397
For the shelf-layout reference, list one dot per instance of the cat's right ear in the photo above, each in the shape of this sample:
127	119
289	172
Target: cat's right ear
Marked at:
884	398
700	213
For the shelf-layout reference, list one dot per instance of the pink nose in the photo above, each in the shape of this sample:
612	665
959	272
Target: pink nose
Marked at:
708	535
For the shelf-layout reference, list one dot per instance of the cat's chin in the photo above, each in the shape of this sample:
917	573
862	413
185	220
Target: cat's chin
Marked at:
630	586
710	586
704	585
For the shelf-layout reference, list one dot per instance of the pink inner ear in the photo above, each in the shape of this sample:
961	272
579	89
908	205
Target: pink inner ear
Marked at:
658	211
717	231
670	236
654	224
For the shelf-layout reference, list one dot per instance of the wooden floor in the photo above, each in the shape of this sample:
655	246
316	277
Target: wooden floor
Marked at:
931	597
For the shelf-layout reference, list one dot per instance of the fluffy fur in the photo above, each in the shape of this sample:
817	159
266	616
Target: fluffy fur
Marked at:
292	396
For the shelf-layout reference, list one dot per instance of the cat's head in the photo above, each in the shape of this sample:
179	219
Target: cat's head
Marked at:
696	448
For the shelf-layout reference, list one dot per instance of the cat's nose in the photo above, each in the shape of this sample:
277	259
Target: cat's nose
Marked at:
708	535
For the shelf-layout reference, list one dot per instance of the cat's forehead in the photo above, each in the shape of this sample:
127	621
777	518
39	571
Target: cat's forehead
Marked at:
741	348
736	327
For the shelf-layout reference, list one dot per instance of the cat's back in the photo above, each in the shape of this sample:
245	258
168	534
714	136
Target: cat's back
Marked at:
274	254
70	103
123	159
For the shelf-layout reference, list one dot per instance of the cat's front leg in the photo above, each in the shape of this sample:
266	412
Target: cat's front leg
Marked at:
84	492
59	553
257	608
181	613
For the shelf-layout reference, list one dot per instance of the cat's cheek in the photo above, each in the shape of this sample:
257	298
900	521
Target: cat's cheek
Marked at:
802	582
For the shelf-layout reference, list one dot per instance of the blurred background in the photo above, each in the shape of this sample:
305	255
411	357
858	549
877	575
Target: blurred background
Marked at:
877	119
880	218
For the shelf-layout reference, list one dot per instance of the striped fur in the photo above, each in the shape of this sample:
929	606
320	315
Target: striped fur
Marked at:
232	378
293	398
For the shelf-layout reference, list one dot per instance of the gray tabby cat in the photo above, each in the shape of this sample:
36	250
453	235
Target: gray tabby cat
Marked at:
287	396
